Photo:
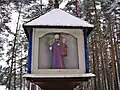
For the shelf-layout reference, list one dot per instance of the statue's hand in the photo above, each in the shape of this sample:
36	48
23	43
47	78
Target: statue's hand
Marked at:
50	48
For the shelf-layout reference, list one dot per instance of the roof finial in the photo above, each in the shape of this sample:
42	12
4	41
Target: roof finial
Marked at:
56	4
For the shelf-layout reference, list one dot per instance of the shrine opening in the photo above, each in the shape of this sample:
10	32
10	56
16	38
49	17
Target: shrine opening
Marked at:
58	53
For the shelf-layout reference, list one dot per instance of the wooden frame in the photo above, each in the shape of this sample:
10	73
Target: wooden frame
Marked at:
39	32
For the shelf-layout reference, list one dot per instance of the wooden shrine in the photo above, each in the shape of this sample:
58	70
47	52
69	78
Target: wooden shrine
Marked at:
58	53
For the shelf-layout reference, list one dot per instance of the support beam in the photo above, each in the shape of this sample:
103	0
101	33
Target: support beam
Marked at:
59	89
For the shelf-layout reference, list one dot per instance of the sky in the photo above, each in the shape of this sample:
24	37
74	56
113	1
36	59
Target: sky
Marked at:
15	14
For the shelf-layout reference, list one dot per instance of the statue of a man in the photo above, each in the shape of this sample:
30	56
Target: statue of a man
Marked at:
57	48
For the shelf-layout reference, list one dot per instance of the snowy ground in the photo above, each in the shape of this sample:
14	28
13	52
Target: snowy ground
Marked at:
2	87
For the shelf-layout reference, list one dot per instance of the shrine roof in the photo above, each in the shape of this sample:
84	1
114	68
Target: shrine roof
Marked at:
58	17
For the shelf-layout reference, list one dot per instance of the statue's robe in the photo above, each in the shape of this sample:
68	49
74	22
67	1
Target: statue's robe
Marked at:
64	49
57	56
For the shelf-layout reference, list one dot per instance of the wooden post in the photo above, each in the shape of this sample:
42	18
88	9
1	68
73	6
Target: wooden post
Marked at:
76	7
56	4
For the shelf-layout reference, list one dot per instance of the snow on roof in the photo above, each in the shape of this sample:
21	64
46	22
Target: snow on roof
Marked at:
58	75
58	17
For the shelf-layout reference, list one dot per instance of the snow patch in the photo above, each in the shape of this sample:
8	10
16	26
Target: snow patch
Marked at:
58	17
2	87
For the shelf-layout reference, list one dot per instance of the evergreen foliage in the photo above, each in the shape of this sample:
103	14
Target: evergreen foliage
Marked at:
103	42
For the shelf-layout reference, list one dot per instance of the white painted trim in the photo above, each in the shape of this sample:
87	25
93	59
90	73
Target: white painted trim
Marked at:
37	33
58	75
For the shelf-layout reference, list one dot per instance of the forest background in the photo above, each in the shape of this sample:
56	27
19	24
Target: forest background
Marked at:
103	42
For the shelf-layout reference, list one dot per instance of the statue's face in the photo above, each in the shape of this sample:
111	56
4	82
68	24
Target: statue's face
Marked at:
56	36
64	40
